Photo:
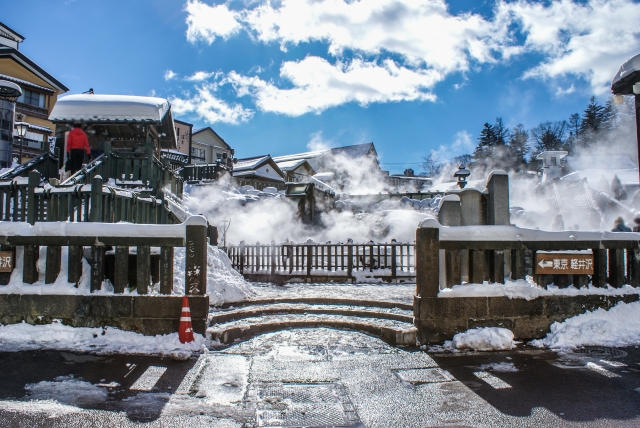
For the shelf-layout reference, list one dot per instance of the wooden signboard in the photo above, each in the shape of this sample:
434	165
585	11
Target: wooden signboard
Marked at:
567	263
6	261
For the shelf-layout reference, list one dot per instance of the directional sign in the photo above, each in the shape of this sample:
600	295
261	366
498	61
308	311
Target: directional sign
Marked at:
561	263
6	261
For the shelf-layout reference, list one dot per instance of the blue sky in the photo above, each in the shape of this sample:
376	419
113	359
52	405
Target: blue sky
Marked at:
284	76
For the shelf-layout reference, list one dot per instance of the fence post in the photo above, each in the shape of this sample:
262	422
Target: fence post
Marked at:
427	261
309	259
96	199
394	263
599	278
517	264
166	270
52	268
30	269
616	267
496	264
97	267
75	264
196	255
273	257
121	274
34	180
349	261
634	262
143	268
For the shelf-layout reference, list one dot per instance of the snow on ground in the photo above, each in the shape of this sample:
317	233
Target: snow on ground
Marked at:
402	293
224	284
56	336
529	290
67	390
499	367
619	326
482	339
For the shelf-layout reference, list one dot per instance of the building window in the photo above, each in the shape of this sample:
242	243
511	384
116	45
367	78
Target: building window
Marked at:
32	98
553	161
198	153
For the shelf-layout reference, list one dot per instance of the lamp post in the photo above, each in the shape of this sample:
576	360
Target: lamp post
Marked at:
461	175
627	82
22	128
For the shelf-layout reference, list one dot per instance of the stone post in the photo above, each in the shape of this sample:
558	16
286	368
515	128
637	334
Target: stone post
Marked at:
427	259
196	255
498	198
473	212
449	214
34	180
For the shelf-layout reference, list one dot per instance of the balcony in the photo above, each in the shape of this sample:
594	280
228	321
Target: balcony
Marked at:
34	111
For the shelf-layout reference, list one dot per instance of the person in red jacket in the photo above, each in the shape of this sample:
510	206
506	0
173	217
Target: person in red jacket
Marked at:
77	145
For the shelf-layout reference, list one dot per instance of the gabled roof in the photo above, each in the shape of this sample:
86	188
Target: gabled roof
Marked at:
23	60
248	166
208	128
109	108
5	31
293	164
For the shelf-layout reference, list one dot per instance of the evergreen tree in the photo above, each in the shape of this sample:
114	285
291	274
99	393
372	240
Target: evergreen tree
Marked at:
574	132
596	117
519	147
486	144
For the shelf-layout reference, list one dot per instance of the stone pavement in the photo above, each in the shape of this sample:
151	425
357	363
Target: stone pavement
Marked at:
323	377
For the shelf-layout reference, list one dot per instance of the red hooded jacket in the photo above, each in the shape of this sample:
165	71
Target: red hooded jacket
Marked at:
77	139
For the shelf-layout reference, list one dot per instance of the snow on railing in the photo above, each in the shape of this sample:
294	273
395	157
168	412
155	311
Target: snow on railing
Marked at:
111	241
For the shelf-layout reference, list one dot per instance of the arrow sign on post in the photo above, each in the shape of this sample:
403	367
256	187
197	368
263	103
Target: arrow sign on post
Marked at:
545	264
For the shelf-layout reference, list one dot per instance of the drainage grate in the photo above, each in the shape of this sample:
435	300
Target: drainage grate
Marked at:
303	405
420	376
601	352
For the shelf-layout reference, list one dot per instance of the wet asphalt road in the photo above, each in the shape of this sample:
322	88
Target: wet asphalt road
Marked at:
322	377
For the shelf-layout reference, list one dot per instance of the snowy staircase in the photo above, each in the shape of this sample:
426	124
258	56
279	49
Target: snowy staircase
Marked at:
391	321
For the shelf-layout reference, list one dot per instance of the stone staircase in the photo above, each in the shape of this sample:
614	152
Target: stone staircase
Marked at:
391	321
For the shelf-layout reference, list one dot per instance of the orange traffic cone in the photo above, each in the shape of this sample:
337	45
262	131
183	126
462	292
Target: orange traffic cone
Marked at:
185	332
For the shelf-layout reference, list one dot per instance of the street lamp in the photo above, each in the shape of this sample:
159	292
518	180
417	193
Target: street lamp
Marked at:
22	128
627	82
461	175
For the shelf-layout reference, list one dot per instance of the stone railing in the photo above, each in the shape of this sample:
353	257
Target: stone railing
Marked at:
112	241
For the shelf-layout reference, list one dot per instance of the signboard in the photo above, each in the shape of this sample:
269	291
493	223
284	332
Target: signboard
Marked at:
52	145
6	261
176	157
564	263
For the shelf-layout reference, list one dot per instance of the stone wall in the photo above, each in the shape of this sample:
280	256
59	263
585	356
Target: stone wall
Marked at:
440	318
149	315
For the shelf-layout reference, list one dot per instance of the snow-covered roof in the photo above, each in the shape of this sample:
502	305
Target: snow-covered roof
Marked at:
624	78
354	151
25	83
290	165
250	163
109	108
40	128
628	177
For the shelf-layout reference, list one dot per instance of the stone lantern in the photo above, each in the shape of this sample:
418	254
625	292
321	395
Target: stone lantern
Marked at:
461	176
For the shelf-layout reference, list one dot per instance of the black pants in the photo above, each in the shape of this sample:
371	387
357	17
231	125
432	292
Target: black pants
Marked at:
76	157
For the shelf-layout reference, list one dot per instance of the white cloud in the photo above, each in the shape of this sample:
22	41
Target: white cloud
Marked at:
318	142
565	91
205	23
168	75
199	76
462	144
318	85
588	40
206	105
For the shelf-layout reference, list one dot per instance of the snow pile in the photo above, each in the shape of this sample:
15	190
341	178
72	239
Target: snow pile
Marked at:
224	284
619	326
67	390
56	336
482	339
529	290
499	367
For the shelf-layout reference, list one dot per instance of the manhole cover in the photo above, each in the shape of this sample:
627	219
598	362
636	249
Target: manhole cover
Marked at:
303	405
420	376
601	352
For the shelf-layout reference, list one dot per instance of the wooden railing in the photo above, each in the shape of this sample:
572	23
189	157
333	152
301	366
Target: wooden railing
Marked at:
191	234
22	199
336	261
494	253
46	163
202	172
133	170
